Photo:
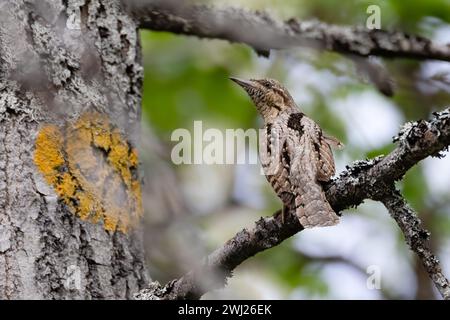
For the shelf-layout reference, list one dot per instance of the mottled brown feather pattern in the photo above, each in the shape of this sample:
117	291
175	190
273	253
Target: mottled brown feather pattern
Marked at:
296	156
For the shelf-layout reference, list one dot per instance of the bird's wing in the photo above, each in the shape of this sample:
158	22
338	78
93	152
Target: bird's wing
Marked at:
311	205
325	163
323	156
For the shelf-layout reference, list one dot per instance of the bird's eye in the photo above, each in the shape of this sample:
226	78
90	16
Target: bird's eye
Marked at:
266	84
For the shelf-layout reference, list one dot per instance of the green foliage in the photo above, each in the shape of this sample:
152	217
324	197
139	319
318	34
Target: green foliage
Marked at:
186	79
292	269
183	84
414	188
331	124
384	150
411	13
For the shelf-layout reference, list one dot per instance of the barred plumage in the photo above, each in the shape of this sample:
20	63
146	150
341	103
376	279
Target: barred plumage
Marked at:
295	154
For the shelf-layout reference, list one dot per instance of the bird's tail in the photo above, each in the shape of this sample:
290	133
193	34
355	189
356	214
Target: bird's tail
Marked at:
313	210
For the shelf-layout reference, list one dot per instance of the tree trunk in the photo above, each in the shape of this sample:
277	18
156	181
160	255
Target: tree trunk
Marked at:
70	85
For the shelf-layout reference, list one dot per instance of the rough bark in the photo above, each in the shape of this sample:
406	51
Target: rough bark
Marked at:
263	33
369	179
417	239
59	60
69	72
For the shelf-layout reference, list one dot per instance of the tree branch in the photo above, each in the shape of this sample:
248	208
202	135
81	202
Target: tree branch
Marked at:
368	179
264	33
416	237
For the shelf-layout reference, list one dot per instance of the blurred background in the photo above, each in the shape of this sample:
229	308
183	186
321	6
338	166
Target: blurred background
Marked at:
193	209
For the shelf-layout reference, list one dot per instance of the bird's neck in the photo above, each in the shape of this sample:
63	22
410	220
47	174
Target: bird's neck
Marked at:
270	114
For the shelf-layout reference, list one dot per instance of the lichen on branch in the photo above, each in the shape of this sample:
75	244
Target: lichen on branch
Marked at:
364	179
263	33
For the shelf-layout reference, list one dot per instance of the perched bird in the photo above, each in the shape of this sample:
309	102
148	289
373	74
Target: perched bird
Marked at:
295	154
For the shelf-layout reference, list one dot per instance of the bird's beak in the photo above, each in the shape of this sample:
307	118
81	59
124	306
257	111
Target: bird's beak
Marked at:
243	83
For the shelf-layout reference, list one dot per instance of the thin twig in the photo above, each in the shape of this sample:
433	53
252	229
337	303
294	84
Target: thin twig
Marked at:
367	179
417	239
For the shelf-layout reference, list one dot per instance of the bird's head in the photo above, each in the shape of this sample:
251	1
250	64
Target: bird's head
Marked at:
268	95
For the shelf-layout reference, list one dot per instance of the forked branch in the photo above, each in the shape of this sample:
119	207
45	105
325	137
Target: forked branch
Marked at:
367	179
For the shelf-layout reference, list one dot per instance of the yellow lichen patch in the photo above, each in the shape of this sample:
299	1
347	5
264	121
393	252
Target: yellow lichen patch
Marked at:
92	168
48	156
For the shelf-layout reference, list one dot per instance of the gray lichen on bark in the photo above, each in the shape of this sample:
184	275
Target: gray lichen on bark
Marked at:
364	179
59	59
263	32
417	238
